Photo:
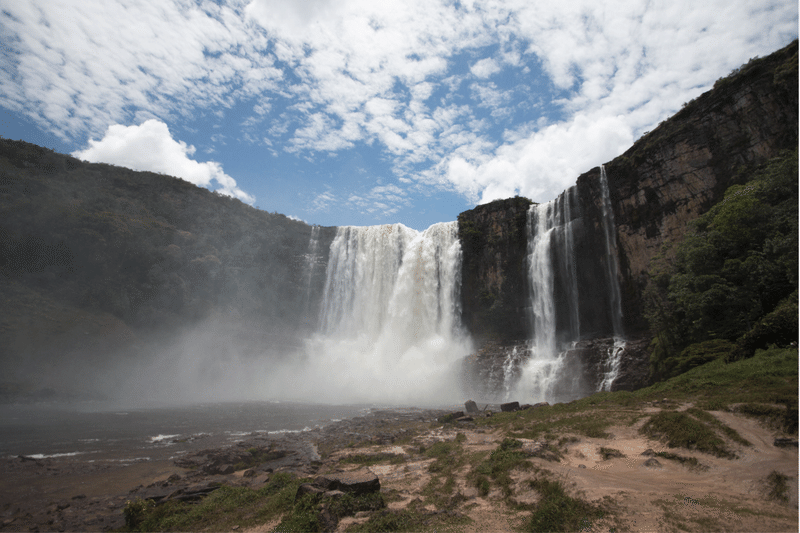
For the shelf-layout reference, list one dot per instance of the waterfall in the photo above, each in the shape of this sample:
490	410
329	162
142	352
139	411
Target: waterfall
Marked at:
509	375
612	364
310	262
390	319
551	248
614	357
612	262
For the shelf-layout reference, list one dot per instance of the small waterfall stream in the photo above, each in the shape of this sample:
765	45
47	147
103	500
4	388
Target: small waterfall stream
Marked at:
554	370
614	357
550	247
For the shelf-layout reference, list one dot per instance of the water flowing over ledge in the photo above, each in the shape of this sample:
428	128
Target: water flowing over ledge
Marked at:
389	327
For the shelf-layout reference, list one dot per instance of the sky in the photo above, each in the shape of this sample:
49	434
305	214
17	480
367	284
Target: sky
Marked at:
357	112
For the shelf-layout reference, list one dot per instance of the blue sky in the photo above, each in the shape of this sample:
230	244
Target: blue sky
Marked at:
361	112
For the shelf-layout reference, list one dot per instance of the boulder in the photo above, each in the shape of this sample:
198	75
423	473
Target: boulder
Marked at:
308	488
652	463
471	407
358	482
509	407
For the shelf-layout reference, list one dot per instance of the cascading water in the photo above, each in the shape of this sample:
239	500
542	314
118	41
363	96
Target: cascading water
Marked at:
550	247
614	357
311	259
390	319
612	364
612	263
509	374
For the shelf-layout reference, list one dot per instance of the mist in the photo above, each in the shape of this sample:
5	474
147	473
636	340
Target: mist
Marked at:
384	328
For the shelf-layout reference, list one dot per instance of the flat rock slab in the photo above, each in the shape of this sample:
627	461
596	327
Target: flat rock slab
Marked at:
358	482
509	407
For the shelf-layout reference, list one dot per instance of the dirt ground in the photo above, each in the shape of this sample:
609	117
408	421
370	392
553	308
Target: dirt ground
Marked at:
726	495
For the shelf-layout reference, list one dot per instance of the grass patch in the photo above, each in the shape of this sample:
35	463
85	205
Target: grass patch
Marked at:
679	430
609	453
778	486
557	511
221	510
729	432
769	377
411	519
498	466
783	418
449	458
690	462
367	459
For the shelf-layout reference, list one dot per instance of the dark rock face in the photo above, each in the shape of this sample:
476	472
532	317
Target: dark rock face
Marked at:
494	284
122	258
676	172
668	178
491	373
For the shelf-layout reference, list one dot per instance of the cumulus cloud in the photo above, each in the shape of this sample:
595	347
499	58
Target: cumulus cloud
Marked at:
485	68
485	98
150	146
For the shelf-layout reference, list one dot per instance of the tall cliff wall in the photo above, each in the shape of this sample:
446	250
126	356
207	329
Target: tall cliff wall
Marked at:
664	181
679	170
494	288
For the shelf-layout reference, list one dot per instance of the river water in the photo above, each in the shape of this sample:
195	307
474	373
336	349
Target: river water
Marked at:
97	433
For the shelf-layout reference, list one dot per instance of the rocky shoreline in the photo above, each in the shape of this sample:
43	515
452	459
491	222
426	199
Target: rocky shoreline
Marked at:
69	494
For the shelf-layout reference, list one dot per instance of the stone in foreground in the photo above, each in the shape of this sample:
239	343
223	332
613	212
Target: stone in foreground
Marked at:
358	482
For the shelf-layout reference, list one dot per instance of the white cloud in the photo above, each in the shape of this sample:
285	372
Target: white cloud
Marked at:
78	67
485	68
408	76
150	146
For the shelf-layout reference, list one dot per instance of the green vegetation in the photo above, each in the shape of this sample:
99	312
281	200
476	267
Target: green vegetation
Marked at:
411	519
690	462
730	287
557	511
367	459
778	487
229	506
679	430
449	457
609	453
709	419
222	509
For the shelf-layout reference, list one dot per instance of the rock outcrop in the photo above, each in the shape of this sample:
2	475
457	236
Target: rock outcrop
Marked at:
494	284
676	172
667	179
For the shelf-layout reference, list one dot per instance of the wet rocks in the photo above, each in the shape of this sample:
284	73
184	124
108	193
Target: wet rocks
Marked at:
471	407
509	407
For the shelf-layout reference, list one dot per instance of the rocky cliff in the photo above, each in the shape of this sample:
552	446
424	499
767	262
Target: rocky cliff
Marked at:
657	188
676	172
667	179
98	260
494	284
